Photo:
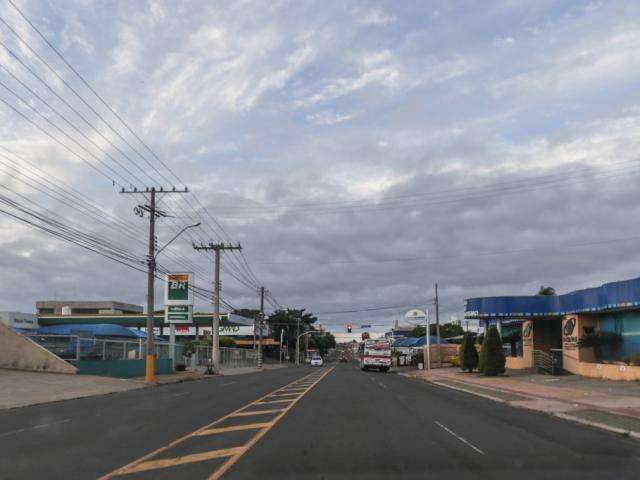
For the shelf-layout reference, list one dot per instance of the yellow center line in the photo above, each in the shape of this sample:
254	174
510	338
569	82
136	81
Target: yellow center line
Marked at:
234	428
126	469
231	461
196	457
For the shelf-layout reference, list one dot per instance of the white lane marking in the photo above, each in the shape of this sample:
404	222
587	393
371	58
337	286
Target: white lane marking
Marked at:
180	394
382	385
228	383
463	440
34	427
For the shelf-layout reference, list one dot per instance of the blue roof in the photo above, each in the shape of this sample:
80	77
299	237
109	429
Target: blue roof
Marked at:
624	294
433	340
96	330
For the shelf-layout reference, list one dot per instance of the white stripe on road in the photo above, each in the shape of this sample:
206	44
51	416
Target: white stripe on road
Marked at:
34	427
180	394
382	385
228	383
463	440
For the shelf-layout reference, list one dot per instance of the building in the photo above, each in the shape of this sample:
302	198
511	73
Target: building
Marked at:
557	329
74	307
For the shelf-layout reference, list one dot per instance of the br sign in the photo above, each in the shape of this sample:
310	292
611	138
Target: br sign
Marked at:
178	298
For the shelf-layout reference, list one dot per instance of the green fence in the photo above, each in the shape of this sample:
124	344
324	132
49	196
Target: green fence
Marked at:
120	368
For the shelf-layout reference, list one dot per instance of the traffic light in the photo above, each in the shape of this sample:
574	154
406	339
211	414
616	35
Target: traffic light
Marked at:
349	327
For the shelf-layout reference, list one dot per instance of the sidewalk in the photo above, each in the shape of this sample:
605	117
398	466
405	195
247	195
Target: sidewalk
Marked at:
605	404
20	388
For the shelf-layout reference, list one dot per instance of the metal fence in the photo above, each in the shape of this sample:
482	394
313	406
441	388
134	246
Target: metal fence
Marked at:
229	357
74	347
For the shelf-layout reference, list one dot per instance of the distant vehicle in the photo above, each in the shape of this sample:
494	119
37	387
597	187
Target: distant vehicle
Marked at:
375	354
317	361
343	358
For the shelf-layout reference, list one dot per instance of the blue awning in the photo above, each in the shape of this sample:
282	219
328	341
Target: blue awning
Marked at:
95	330
624	294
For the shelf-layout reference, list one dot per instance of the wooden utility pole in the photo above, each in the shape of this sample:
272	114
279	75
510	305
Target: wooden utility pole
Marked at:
215	334
151	210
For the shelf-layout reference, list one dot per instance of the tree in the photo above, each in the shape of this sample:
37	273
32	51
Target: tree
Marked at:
323	342
494	361
549	291
287	321
468	353
247	312
447	330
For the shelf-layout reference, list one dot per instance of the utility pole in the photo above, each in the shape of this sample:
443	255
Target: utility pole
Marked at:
438	327
260	322
298	343
151	210
215	333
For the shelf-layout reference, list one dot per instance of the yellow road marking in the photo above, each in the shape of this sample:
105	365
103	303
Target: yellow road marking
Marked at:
284	394
196	457
256	412
239	412
234	428
274	401
229	463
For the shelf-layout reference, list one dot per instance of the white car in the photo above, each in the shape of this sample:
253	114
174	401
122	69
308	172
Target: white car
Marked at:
316	361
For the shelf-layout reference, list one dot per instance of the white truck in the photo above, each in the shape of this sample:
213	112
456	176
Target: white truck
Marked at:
375	354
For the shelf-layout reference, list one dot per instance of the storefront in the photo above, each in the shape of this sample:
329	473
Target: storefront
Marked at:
593	332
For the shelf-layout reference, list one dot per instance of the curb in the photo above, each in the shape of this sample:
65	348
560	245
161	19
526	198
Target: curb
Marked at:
563	416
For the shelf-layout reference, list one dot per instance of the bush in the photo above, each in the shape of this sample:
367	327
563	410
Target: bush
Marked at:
632	359
455	361
604	344
468	353
180	367
492	353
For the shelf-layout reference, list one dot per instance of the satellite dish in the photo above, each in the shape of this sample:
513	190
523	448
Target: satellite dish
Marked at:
415	314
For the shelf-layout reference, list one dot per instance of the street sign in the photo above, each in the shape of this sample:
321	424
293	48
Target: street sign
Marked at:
365	326
179	313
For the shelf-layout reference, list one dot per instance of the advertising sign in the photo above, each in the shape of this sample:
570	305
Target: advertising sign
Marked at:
178	298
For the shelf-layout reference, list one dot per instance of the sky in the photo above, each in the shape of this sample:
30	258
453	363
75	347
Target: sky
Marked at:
360	151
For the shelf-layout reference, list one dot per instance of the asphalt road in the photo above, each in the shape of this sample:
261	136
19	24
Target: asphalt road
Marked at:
304	423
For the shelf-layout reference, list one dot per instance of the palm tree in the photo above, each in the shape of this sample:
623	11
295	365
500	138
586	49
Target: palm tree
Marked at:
546	290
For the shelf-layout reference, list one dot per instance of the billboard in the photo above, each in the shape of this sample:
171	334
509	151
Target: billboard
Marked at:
178	298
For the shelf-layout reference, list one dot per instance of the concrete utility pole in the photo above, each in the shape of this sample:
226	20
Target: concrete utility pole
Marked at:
215	334
438	328
151	210
260	322
298	342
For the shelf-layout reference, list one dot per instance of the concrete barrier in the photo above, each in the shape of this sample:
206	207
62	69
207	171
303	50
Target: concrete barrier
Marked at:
20	353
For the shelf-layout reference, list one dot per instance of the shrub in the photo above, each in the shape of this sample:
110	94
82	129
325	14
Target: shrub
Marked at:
180	367
632	359
494	359
604	344
468	353
417	358
455	361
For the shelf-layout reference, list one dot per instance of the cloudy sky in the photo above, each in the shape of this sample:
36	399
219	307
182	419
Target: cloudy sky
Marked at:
359	151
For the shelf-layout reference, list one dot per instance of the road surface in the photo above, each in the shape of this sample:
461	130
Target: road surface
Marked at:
324	423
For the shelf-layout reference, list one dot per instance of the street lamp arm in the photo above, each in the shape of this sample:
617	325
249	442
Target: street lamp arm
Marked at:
176	236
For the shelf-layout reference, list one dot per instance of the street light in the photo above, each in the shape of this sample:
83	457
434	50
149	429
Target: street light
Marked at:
150	357
176	236
310	332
